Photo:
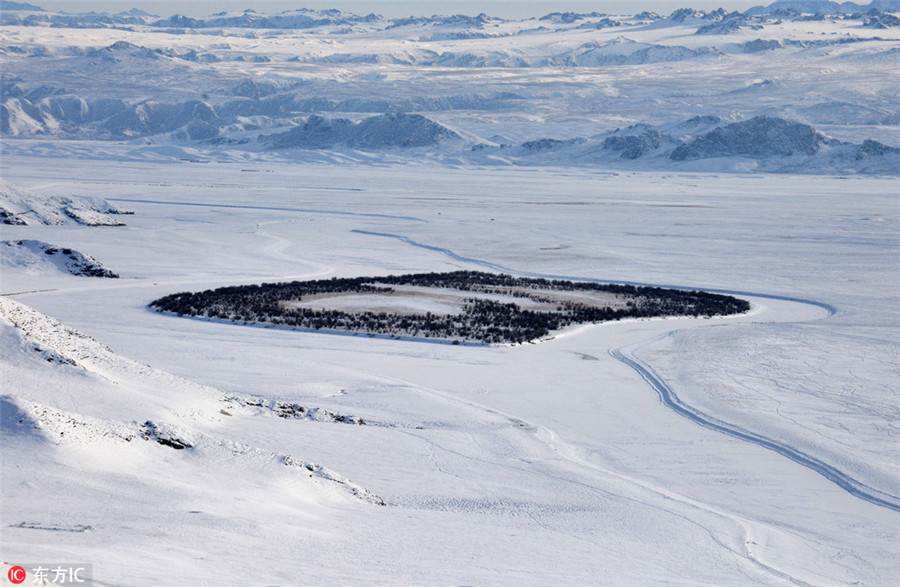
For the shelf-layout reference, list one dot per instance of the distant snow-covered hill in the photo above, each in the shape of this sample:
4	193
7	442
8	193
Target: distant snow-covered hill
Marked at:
759	137
246	84
23	207
378	132
771	144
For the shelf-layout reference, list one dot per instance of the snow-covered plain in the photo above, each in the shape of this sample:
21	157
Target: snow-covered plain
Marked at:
178	451
541	463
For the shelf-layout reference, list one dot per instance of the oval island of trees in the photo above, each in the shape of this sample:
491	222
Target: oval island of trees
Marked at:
461	306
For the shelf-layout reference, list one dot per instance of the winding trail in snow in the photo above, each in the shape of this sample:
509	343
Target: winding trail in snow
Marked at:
671	400
667	395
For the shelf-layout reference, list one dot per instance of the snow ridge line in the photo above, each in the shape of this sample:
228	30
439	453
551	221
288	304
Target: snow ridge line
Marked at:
88	353
78	349
670	399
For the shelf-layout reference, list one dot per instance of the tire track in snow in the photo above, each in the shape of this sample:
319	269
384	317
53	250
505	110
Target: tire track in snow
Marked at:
671	400
445	252
277	249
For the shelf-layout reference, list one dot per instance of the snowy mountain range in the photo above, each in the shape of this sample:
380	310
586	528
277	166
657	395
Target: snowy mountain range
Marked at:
342	83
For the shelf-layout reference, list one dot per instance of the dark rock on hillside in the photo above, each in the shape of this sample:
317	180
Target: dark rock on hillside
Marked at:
316	133
377	132
686	15
123	49
399	130
568	17
869	149
729	24
179	21
152	431
762	136
199	130
760	45
549	144
455	20
876	19
633	146
603	23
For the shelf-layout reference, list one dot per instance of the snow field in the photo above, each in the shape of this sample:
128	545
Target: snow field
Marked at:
541	464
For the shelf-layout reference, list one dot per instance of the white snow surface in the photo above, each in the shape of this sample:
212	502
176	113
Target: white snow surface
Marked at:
753	449
545	463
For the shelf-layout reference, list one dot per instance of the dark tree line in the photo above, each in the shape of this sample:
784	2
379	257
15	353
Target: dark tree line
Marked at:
481	320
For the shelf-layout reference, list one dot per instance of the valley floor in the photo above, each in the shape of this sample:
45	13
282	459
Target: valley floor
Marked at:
536	464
